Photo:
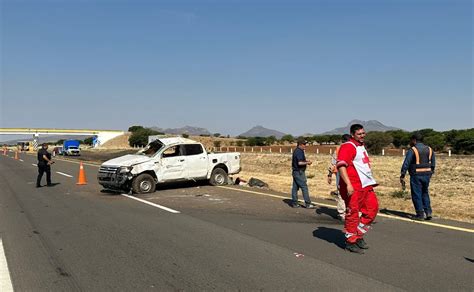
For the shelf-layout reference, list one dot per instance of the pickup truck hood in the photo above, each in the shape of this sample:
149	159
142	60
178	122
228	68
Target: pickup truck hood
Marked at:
127	160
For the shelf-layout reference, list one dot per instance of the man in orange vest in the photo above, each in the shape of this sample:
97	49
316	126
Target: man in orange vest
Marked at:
420	164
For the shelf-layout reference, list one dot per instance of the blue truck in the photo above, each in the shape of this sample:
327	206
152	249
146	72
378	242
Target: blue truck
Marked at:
71	147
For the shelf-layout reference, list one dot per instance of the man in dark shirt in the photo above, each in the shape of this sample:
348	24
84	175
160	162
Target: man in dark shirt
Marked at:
44	165
420	164
298	166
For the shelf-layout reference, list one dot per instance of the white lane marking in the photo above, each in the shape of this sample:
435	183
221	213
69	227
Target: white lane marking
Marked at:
65	174
21	160
34	164
152	204
379	214
320	204
5	280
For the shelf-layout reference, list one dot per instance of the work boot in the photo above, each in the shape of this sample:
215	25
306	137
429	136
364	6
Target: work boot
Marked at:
353	247
309	206
418	218
429	217
294	205
362	244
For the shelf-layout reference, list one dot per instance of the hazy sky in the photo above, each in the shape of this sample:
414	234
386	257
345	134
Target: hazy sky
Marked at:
293	66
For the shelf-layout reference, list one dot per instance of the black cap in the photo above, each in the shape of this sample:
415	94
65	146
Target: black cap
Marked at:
302	141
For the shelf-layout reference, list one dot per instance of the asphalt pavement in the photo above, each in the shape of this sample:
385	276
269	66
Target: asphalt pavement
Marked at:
70	237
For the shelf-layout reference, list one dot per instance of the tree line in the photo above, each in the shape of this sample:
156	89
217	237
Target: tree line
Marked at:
459	141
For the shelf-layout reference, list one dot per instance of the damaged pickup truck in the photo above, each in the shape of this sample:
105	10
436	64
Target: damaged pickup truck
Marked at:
167	160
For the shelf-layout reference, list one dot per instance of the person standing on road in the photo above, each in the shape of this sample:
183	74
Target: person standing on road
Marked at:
420	164
357	189
332	169
44	165
298	166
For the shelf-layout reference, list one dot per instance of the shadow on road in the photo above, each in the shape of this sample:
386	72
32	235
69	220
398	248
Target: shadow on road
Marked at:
469	260
331	235
288	202
327	211
53	184
396	213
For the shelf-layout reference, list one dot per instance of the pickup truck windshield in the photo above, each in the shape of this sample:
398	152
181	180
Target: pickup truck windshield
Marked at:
151	148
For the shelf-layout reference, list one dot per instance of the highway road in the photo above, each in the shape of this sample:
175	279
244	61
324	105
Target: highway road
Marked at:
197	237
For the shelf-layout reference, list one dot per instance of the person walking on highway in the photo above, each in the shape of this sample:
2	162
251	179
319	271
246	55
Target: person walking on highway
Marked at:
357	189
298	166
332	169
420	164
44	165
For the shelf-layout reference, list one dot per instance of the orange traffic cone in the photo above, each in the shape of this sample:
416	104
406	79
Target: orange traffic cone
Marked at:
82	176
16	155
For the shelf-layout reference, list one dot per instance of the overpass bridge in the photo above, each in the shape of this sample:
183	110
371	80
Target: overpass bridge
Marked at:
99	136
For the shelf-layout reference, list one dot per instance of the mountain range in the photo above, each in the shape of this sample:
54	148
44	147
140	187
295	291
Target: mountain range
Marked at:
259	131
369	126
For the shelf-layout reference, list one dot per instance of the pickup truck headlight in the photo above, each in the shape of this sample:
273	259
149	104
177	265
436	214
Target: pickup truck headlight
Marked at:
125	169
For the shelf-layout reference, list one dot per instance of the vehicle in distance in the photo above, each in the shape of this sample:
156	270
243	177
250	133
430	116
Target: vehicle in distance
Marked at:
71	147
167	160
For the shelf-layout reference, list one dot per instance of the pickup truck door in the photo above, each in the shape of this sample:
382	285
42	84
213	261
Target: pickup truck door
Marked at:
196	161
172	164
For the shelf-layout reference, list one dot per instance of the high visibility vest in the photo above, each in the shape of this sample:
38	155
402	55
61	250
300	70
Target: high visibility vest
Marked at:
422	160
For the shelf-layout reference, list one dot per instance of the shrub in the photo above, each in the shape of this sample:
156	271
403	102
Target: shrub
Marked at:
400	194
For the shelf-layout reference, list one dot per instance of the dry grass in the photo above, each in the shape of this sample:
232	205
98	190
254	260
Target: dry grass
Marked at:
450	189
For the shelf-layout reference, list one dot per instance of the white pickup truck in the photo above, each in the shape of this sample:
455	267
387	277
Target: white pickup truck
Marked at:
167	160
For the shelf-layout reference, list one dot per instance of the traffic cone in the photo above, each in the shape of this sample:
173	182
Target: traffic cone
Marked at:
82	176
16	155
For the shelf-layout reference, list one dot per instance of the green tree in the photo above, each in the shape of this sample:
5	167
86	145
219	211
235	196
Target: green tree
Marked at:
256	141
400	138
240	143
270	140
376	141
88	141
288	138
451	136
139	137
135	128
184	135
464	142
217	134
436	141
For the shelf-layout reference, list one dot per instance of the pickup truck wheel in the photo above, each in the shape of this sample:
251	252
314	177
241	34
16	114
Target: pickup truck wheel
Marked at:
144	183
218	177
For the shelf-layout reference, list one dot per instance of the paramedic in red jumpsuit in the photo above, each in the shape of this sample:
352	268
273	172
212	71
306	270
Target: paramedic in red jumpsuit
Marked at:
357	189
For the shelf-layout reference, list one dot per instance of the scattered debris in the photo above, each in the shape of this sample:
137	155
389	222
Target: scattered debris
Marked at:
298	255
255	182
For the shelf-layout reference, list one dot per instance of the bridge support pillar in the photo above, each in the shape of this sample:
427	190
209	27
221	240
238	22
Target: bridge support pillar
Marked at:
35	142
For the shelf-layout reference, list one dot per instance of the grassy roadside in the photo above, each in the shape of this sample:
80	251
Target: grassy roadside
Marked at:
451	188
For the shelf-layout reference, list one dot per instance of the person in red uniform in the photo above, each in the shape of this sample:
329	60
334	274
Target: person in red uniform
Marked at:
357	189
